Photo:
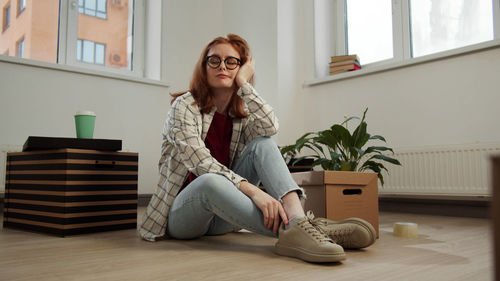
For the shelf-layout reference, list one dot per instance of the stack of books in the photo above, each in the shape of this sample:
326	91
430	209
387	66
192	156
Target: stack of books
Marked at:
341	64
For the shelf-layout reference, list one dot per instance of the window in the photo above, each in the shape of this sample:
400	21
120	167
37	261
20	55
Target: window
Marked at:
372	42
6	16
439	25
396	30
20	48
91	34
90	52
21	4
95	8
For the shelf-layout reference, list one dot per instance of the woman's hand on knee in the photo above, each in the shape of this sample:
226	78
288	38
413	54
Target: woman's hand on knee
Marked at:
272	210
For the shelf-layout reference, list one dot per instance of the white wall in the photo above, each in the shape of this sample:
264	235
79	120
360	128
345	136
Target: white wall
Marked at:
256	21
444	102
38	101
41	102
451	101
192	24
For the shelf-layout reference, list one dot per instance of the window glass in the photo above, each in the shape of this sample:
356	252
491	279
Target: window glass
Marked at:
113	32
88	51
99	53
21	6
39	28
75	32
439	25
79	49
6	16
20	48
101	8
369	29
90	7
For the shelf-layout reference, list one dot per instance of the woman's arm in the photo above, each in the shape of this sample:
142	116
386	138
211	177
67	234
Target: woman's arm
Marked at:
272	209
262	120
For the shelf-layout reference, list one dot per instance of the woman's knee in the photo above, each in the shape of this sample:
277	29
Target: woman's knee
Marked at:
213	183
264	143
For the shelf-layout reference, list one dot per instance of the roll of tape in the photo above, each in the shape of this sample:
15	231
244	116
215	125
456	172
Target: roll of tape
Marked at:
406	229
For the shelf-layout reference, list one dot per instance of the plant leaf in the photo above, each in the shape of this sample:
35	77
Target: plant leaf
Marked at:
348	119
378	149
386	158
369	165
287	148
378	137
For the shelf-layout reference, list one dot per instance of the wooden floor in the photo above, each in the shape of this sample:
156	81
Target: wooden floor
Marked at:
448	248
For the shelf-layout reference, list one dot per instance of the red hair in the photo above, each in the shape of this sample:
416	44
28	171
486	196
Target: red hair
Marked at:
199	87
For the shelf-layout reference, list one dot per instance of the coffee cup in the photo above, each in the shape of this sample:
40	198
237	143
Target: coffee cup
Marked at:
84	123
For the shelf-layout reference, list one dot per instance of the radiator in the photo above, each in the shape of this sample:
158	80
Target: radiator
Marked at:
4	149
458	170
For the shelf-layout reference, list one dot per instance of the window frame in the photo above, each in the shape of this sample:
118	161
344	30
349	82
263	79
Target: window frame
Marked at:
329	39
21	6
20	42
6	16
146	68
84	12
81	42
68	29
401	32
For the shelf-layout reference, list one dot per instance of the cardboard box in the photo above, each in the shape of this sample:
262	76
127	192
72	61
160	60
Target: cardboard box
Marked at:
495	213
340	195
71	191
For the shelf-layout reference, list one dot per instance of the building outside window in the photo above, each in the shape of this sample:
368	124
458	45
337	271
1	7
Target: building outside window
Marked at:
21	5
67	34
6	16
20	48
95	8
90	52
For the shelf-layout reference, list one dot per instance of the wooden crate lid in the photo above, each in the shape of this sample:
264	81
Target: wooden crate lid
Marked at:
45	143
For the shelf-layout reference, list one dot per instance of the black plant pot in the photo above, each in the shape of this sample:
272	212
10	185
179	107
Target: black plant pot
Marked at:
303	165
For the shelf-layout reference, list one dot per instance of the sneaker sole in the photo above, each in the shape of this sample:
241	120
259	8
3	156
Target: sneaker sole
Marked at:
364	224
307	256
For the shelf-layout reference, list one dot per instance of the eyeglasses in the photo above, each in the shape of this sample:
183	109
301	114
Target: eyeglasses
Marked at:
230	62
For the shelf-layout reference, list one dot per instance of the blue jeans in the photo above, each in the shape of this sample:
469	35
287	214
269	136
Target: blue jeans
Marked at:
213	205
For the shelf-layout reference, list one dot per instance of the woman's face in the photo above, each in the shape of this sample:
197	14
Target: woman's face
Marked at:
222	66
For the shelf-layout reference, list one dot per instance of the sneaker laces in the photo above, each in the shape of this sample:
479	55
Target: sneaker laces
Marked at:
316	221
314	231
339	235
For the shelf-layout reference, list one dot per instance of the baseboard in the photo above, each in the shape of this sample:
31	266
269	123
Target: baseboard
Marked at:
143	199
452	206
442	206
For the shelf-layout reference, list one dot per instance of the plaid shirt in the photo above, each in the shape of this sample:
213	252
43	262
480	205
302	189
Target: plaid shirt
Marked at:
184	151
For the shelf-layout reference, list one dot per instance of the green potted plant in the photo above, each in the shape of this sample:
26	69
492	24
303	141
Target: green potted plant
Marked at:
348	184
336	149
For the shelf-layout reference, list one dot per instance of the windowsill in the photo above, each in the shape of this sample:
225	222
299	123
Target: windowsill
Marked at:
80	70
395	65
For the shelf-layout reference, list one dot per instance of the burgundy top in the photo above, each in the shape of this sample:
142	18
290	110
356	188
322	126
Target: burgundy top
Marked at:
218	141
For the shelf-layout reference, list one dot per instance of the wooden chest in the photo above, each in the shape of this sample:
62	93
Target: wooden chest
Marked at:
71	191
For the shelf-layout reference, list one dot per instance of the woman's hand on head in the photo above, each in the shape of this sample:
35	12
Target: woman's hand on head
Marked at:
245	72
